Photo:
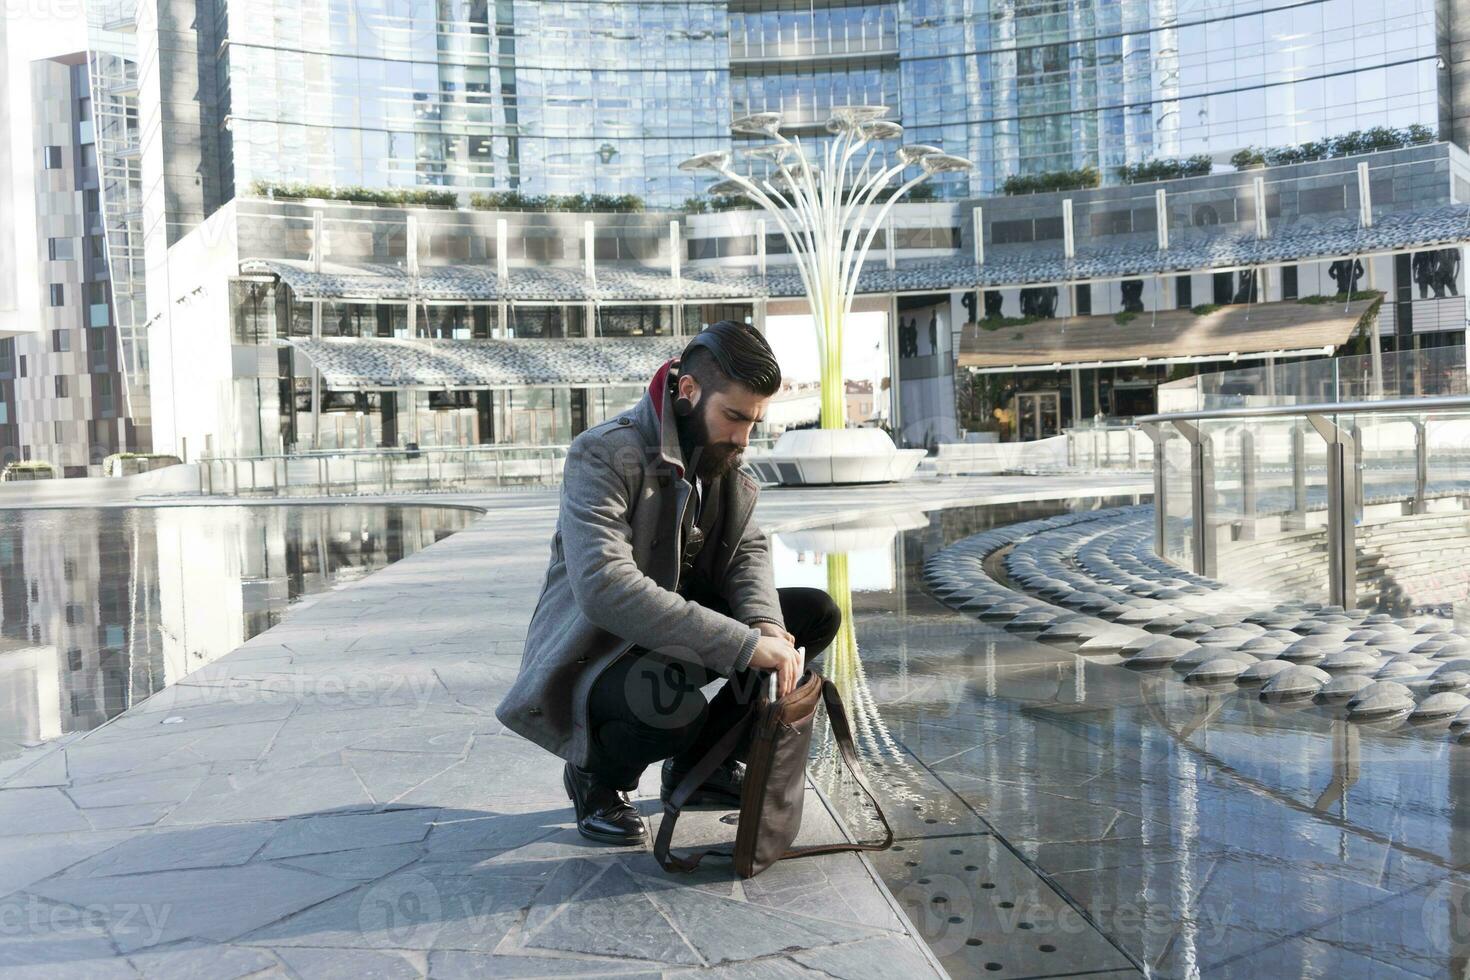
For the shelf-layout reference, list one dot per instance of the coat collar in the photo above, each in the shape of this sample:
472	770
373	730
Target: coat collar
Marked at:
656	418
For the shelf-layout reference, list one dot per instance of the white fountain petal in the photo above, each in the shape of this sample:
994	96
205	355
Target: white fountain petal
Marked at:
881	129
726	188
944	163
858	114
915	152
757	124
713	160
774	152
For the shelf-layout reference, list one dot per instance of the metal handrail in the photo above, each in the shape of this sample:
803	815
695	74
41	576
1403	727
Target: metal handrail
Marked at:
1392	405
486	448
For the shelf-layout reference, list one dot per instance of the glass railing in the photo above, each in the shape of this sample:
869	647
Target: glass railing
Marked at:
1107	445
384	471
1353	503
1434	371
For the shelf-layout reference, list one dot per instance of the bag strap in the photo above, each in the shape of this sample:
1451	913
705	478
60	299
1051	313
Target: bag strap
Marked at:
842	735
702	770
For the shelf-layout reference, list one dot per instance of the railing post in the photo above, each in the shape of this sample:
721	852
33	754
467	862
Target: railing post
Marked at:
1342	480
1247	485
1421	466
1357	437
1201	497
1132	449
1157	435
1297	519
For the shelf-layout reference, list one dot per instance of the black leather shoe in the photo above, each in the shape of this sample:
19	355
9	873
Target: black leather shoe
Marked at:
722	788
603	813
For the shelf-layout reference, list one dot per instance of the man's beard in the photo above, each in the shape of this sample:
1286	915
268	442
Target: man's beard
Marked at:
709	461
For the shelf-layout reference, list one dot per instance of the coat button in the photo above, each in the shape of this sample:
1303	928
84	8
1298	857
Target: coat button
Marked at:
654	543
533	711
623	420
581	660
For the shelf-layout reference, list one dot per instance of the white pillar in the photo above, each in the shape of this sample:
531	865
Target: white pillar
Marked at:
1258	185
891	248
675	241
1069	243
318	245
589	245
760	246
1161	218
412	245
1365	197
979	222
502	252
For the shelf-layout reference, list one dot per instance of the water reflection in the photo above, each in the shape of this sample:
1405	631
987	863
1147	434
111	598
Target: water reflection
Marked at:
1059	813
101	608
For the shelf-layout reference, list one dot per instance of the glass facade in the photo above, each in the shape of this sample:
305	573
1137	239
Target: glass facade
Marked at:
568	96
544	97
1040	85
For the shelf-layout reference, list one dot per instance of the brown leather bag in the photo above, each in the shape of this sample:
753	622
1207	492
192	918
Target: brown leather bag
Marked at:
775	781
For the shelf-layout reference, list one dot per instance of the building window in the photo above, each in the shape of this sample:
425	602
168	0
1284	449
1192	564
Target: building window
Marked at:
1224	284
4	413
58	294
1288	282
60	341
59	249
1183	292
53	158
1084	299
58	430
61	388
90	203
22	365
89	156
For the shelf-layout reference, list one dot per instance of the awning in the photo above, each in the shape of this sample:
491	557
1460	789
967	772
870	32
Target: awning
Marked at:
1098	341
1004	266
364	362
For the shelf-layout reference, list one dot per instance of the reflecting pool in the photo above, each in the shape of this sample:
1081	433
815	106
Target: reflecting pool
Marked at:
99	608
1059	813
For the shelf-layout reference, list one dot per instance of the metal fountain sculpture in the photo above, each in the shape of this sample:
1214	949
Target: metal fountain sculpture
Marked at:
829	212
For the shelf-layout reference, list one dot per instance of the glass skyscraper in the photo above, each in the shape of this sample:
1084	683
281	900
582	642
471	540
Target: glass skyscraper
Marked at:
568	96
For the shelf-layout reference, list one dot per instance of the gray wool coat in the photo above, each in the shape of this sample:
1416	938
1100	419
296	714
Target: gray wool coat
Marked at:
626	511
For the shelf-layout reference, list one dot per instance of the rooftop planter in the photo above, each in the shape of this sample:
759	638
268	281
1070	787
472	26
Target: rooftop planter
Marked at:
131	464
1348	144
516	201
411	197
1199	165
29	469
1055	180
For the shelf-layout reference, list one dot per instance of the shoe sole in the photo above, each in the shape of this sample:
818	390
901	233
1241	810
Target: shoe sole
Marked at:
593	835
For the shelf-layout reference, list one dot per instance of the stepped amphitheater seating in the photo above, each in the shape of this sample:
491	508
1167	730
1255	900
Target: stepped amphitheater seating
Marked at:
1090	582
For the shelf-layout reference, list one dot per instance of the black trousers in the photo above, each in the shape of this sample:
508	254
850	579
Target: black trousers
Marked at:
647	707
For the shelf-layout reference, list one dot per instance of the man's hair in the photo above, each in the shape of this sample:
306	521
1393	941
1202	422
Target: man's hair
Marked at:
730	352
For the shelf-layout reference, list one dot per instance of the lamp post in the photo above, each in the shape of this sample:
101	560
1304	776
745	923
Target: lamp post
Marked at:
826	211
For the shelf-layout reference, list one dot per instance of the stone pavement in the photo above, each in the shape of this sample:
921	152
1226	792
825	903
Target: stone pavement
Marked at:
335	798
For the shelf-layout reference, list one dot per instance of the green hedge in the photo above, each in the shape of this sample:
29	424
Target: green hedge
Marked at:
1204	309
1056	180
1348	144
363	195
516	201
1141	173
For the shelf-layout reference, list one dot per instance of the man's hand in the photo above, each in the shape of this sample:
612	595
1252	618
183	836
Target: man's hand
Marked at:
776	653
771	629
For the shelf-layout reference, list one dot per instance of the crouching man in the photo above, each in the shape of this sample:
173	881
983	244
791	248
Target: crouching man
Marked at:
660	583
